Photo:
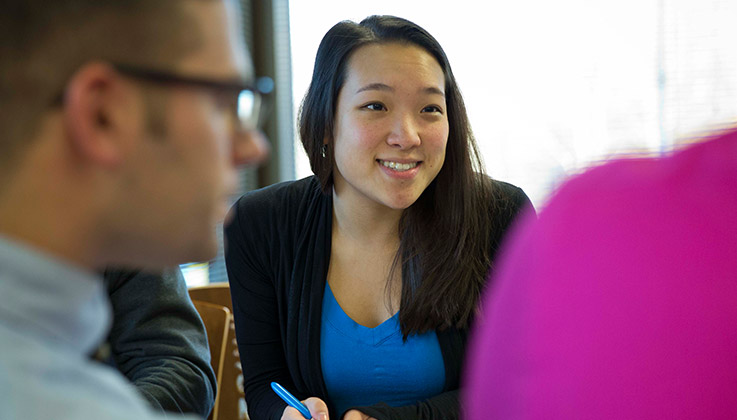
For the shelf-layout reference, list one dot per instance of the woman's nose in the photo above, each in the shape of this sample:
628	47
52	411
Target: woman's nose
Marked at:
405	133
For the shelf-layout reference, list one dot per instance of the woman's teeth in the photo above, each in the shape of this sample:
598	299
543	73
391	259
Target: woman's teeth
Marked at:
399	167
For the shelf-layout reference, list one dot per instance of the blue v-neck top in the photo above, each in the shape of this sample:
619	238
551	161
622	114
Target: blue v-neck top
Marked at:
363	366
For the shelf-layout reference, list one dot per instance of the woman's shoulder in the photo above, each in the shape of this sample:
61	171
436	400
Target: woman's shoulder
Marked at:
272	223
507	196
507	203
506	190
283	206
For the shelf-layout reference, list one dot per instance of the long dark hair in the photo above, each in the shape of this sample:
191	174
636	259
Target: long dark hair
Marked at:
444	236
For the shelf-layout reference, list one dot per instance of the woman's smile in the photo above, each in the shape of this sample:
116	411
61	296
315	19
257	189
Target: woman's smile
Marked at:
391	126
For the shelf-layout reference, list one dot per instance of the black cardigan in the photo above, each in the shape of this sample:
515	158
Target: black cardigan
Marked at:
277	251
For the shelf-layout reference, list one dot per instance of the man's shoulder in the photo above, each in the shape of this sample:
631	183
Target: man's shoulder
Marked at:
48	381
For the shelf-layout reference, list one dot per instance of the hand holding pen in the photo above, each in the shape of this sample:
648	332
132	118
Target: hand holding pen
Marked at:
311	408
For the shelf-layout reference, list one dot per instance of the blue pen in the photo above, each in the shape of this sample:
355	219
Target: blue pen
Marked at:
291	400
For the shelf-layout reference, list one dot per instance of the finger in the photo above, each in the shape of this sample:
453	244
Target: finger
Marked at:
291	413
352	415
317	407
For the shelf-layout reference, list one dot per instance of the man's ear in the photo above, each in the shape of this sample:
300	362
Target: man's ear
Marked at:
95	114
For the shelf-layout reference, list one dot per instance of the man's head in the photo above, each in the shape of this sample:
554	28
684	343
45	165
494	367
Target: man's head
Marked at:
128	106
43	43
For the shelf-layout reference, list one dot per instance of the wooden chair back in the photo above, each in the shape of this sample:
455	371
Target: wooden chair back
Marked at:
217	320
217	293
230	403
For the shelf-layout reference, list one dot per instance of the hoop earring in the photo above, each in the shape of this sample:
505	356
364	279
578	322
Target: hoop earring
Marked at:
324	150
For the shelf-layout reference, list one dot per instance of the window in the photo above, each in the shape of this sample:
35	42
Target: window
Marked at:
553	87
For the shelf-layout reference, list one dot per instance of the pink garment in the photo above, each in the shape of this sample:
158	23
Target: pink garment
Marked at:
620	302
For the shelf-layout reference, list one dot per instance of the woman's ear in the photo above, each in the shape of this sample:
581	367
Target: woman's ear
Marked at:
95	114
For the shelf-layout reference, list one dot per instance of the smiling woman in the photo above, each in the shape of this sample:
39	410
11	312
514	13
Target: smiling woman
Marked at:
361	302
391	127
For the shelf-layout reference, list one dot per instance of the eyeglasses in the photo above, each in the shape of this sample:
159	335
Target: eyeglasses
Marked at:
246	102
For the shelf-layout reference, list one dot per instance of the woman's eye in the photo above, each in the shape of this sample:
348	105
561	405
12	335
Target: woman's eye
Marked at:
375	107
432	108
